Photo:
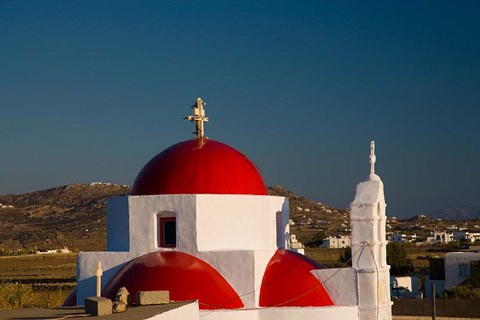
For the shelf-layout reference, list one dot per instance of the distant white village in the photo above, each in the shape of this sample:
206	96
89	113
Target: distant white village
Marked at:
63	250
98	183
451	232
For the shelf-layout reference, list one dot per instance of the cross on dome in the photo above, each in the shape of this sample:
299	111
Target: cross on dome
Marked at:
198	117
372	157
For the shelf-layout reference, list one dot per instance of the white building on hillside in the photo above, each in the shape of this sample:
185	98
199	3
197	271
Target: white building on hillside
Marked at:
400	237
296	245
337	242
466	236
457	267
440	237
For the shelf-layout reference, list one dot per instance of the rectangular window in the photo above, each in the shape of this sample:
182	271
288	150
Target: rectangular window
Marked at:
167	234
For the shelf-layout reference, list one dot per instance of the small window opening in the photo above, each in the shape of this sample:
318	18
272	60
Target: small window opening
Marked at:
168	232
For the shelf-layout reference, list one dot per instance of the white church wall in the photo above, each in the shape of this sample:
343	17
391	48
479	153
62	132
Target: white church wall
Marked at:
341	285
235	222
204	222
243	270
262	258
118	224
367	292
280	206
186	312
144	212
232	265
309	313
285	313
86	269
226	314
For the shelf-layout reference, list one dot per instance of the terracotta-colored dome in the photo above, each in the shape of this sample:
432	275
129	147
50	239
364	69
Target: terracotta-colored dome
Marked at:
199	166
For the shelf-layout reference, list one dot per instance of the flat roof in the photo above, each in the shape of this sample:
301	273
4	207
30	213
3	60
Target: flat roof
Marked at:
133	312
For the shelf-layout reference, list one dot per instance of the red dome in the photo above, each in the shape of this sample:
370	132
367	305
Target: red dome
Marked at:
287	282
199	166
184	276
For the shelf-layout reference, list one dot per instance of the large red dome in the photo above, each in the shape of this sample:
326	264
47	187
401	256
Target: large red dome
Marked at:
199	166
186	278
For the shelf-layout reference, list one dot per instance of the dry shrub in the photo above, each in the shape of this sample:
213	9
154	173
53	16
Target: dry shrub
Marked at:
17	296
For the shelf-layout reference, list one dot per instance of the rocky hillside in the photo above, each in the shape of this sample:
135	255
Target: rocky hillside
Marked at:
74	195
311	218
75	216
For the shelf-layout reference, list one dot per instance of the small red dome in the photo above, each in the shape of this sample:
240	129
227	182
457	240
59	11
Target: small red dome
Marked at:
288	282
199	166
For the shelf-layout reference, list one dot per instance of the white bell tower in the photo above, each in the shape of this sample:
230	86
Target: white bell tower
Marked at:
369	247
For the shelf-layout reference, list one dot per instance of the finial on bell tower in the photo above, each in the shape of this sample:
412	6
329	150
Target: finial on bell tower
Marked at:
372	157
198	117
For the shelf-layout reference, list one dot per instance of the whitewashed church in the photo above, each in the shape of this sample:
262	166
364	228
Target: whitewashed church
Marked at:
200	224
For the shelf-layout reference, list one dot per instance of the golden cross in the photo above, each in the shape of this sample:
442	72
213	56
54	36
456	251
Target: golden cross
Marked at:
198	117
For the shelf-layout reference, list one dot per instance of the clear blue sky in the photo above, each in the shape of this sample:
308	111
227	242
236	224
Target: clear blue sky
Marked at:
91	90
